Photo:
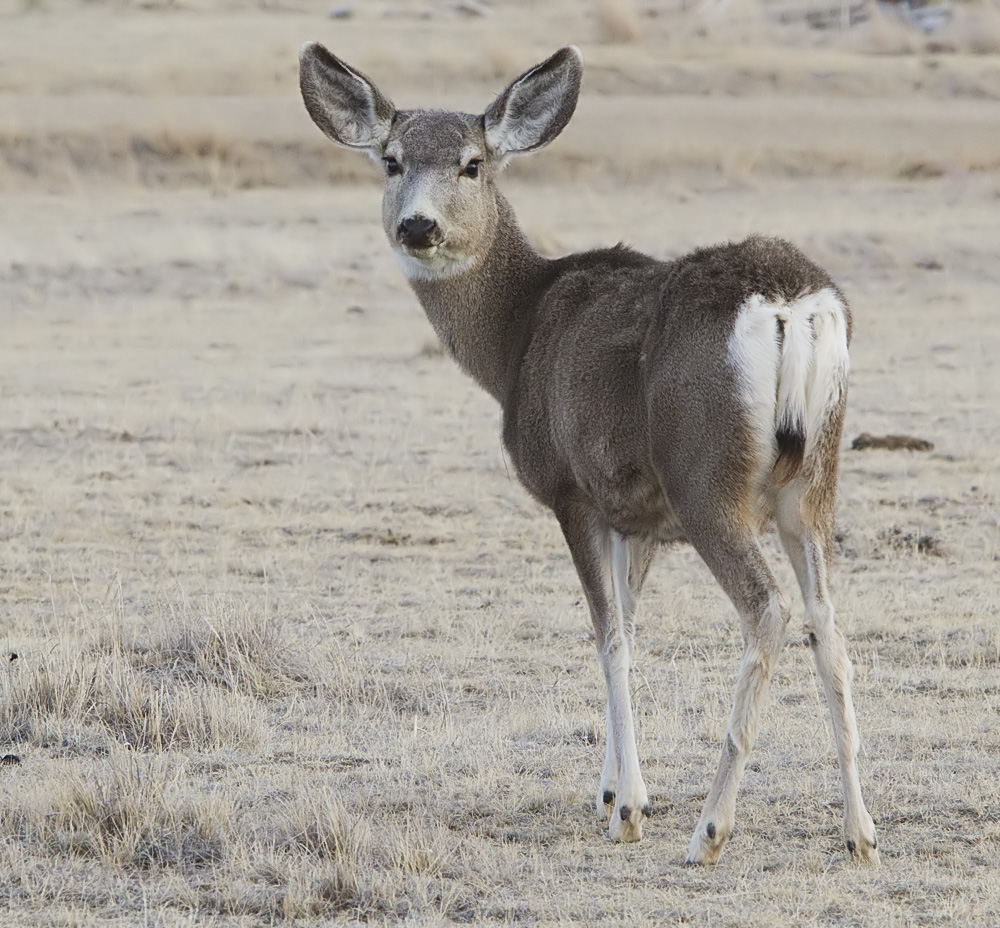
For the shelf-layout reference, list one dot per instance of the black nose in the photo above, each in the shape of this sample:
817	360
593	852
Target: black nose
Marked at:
419	232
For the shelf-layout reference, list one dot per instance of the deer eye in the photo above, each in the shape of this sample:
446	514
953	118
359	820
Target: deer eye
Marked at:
472	168
392	167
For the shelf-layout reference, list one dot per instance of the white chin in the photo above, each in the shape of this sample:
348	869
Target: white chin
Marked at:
421	254
430	263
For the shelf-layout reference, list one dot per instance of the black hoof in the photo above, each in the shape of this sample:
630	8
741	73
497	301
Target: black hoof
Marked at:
626	811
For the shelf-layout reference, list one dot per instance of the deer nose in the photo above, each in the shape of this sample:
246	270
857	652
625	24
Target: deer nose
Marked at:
419	232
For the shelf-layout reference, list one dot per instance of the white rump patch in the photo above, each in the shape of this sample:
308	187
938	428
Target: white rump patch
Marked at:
792	362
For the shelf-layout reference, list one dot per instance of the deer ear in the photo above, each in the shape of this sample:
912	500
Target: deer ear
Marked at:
347	106
535	108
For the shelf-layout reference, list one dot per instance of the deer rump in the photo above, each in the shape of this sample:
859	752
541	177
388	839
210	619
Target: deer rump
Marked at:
745	341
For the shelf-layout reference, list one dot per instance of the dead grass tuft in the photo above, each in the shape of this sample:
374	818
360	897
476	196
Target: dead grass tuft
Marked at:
105	699
319	827
912	542
229	648
195	685
135	812
977	647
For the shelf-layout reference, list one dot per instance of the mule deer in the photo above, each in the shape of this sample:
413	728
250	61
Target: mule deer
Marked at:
643	401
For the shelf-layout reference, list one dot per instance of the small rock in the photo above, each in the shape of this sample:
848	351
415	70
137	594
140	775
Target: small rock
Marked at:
941	47
10	760
891	443
344	11
471	8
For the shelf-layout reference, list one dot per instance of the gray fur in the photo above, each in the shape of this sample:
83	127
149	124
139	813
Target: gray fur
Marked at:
622	410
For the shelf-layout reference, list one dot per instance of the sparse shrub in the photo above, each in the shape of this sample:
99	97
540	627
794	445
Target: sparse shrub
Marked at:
230	648
319	826
107	696
133	812
331	858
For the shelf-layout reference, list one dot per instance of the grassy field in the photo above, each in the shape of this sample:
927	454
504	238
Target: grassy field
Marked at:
283	639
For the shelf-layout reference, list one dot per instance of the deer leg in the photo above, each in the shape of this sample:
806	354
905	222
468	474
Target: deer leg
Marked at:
601	556
640	557
605	803
641	552
807	553
740	568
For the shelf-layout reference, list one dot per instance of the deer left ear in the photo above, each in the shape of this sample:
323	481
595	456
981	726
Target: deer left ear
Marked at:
535	108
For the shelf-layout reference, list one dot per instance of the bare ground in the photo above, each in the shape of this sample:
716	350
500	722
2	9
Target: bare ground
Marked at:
291	643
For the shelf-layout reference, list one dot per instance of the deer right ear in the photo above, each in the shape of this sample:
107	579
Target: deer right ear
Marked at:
347	106
535	108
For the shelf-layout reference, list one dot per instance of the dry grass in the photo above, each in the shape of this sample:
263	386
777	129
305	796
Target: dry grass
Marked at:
194	683
134	813
292	645
229	649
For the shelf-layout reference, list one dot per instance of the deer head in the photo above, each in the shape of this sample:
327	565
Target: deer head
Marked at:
439	209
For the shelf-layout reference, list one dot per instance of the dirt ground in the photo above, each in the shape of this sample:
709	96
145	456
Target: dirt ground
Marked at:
284	641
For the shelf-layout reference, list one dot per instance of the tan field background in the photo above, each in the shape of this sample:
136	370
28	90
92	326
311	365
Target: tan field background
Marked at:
292	644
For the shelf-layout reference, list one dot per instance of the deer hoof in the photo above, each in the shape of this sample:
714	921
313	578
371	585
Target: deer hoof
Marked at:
626	823
706	845
864	850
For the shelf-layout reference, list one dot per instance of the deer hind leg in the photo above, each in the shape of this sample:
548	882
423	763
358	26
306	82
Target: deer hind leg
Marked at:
732	553
805	528
602	558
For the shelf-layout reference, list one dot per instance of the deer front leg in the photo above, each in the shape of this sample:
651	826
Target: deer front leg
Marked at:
605	802
601	556
631	802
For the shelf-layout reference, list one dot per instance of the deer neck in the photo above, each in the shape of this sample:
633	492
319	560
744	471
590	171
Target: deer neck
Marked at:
482	314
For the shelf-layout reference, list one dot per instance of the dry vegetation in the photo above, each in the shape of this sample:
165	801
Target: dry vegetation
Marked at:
293	647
